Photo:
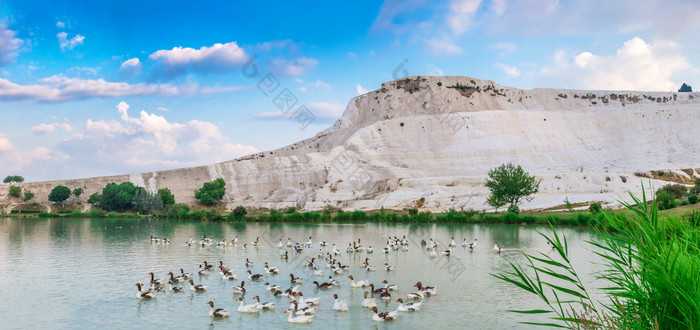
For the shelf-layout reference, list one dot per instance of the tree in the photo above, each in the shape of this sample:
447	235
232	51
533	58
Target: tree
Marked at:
167	196
13	179
95	199
211	192
28	195
117	197
146	202
696	188
496	201
59	194
15	191
677	190
510	183
685	88
665	200
239	212
77	192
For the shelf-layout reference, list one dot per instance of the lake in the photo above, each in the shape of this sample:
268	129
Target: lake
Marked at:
80	273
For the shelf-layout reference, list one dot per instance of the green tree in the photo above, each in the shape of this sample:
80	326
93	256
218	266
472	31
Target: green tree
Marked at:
677	190
696	188
167	196
146	202
685	88
13	179
510	183
496	201
665	200
59	194
77	192
15	191
239	212
117	197
28	195
211	192
95	199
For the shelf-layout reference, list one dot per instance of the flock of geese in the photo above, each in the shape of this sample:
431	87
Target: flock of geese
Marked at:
302	309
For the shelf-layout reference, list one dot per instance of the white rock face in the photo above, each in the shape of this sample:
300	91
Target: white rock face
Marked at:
437	137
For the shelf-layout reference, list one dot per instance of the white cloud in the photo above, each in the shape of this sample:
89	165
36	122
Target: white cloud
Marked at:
316	84
292	68
162	109
9	45
215	58
353	55
511	71
361	90
504	48
461	13
270	45
635	66
434	71
5	143
439	47
323	110
66	43
499	6
50	128
394	14
60	25
61	88
131	67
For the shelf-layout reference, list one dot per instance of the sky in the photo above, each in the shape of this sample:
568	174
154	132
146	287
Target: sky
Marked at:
93	88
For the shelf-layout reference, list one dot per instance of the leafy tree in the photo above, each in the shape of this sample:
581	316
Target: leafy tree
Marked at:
77	192
685	88
146	202
665	200
117	197
59	194
511	183
693	198
15	191
13	179
239	212
167	196
28	195
176	211
211	192
696	188
95	199
496	201
677	190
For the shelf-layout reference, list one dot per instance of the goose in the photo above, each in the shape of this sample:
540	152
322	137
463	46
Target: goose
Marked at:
224	268
298	318
340	306
289	242
285	255
433	254
229	276
228	243
280	245
309	263
144	294
389	267
376	291
385	295
369	249
453	244
404	248
370	268
165	240
271	270
349	249
154	239
189	242
404	240
428	290
324	285
221	243
496	248
332	281
383	316
239	289
368	302
343	267
415	296
293	291
465	243
310	301
235	240
386	249
197	288
295	280
271	287
423	242
184	275
323	243
252	308
360	284
244	247
447	252
390	287
156	289
219	312
176	278
365	263
248	263
317	272
254	277
202	271
208	266
298	249
156	281
265	306
308	243
409	307
472	245
256	242
174	288
337	271
335	250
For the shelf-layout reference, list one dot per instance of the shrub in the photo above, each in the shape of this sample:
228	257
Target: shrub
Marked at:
439	83
28	195
683	203
239	212
678	190
167	196
595	208
693	199
290	210
696	188
665	200
77	192
513	209
15	191
412	212
176	211
59	194
211	192
146	202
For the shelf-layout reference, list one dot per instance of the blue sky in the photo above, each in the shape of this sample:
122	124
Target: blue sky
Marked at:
101	88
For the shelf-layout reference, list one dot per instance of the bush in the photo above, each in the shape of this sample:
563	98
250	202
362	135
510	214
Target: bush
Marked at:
146	202
59	194
239	213
678	190
513	209
77	192
665	200
211	192
176	211
28	195
595	208
696	188
15	191
693	199
167	196
412	212
683	203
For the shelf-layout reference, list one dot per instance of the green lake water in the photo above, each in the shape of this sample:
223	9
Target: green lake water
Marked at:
80	273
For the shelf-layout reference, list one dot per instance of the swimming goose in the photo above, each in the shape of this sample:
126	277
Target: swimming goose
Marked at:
272	287
197	288
248	263
383	316
224	268
308	243
415	296
254	277
289	242
176	278
324	285
337	271
144	294
285	255
252	308
221	243
265	306
202	271
244	247
388	267
229	276
496	248
376	291
184	275
293	291
369	249
310	301
174	288
447	252
317	272
298	318
340	306
280	245
309	263
323	243
156	281
256	242
453	244
271	270
472	245
433	254
335	250
235	240
332	281
409	307
239	289
390	287
428	290
368	302
208	266
219	312
295	280
465	243
360	284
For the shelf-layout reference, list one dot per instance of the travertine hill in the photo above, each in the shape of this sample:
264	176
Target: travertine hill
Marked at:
429	142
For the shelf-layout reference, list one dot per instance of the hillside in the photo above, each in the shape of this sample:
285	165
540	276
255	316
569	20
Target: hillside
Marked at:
435	138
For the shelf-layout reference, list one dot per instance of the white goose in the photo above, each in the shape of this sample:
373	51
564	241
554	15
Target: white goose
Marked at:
338	305
219	312
239	289
310	301
496	248
383	316
298	318
265	306
197	288
368	302
360	284
280	245
453	244
144	294
289	242
409	307
252	308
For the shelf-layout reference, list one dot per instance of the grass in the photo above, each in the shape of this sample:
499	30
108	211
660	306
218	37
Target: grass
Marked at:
652	267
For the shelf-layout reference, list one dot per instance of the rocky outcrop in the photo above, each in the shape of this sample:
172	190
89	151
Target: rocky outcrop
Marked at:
436	138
